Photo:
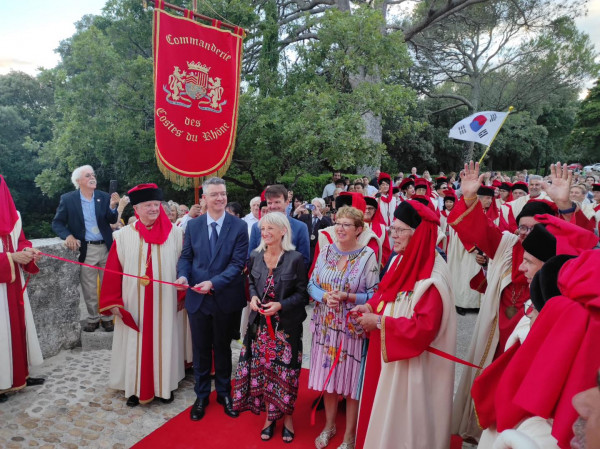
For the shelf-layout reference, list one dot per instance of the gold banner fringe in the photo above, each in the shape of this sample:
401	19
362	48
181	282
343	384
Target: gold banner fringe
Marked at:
188	182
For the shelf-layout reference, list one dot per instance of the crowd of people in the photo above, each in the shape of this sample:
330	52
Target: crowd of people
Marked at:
388	262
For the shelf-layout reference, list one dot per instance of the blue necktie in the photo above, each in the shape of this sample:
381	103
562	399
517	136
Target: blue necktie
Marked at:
213	238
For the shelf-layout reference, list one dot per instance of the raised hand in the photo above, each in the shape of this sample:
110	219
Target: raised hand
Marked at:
470	180
560	187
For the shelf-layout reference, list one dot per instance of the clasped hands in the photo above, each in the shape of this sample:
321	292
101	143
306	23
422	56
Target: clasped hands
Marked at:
203	288
366	319
266	309
26	256
334	298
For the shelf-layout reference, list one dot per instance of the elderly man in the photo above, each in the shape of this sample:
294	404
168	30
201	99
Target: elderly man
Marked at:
147	351
254	214
19	346
83	220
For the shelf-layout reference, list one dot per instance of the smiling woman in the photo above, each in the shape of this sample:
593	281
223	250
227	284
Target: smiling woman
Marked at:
270	361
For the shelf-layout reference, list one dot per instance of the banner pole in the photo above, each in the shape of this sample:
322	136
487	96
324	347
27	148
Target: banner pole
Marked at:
194	13
510	109
196	191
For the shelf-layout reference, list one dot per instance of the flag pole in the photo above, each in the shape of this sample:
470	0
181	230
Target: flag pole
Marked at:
510	109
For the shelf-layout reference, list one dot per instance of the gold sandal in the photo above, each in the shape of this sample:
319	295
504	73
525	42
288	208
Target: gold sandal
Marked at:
324	437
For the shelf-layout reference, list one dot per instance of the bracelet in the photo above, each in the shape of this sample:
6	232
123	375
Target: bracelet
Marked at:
470	199
568	211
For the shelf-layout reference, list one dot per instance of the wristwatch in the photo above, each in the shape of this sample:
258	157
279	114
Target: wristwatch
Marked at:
379	322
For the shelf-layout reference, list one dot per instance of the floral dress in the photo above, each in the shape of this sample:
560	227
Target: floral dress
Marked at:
269	369
331	327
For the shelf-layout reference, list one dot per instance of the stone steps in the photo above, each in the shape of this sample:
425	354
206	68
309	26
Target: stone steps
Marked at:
91	341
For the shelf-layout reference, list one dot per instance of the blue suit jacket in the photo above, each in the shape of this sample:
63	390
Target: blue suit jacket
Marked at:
225	269
299	239
69	218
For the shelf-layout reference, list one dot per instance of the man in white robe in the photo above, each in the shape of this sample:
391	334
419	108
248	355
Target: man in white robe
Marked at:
147	354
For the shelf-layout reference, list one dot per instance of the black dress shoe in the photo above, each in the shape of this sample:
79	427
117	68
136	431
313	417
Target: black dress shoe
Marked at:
167	401
3	397
133	401
108	326
227	404
198	409
90	327
33	381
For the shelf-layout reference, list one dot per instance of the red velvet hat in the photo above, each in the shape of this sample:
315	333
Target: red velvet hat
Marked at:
406	182
384	177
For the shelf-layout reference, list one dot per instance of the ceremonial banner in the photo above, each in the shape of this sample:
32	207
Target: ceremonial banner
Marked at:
196	94
480	127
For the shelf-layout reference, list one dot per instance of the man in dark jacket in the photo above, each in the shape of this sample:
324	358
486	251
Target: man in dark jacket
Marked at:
83	220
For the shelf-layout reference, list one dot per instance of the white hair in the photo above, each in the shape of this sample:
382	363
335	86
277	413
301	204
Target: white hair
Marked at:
255	200
281	221
535	178
319	201
77	173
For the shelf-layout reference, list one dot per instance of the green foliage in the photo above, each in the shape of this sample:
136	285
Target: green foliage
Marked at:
25	108
585	139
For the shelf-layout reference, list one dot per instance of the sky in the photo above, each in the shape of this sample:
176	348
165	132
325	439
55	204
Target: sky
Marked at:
30	30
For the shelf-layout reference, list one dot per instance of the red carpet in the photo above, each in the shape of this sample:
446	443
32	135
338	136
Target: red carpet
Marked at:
217	430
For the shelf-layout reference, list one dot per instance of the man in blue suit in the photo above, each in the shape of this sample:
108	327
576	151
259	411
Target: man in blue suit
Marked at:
211	264
83	220
277	201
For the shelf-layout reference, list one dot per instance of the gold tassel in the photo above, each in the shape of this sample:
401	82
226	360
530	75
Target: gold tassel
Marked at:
186	181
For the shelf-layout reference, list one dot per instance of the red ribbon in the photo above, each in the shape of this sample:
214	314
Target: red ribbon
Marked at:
107	270
25	286
269	324
430	349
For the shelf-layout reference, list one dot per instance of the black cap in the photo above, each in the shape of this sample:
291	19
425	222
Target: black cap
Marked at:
371	202
544	283
540	243
343	200
145	192
485	191
407	214
533	208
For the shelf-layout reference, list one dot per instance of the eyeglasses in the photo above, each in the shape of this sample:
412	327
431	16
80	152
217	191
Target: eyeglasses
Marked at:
345	226
370	208
398	230
525	229
217	194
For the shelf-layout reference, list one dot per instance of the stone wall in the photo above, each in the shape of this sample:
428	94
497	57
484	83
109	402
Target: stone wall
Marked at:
54	298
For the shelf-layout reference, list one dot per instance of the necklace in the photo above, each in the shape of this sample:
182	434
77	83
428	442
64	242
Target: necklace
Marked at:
512	310
145	279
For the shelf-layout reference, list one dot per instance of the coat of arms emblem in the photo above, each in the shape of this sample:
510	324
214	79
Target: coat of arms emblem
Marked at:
184	88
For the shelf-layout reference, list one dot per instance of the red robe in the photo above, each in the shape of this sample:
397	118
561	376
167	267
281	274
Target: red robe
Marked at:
477	229
11	276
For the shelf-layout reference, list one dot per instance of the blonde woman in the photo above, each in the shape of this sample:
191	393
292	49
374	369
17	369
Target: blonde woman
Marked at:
269	367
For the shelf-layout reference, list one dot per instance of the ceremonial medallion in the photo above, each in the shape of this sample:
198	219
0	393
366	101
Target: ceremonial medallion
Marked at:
380	307
510	311
145	280
312	237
